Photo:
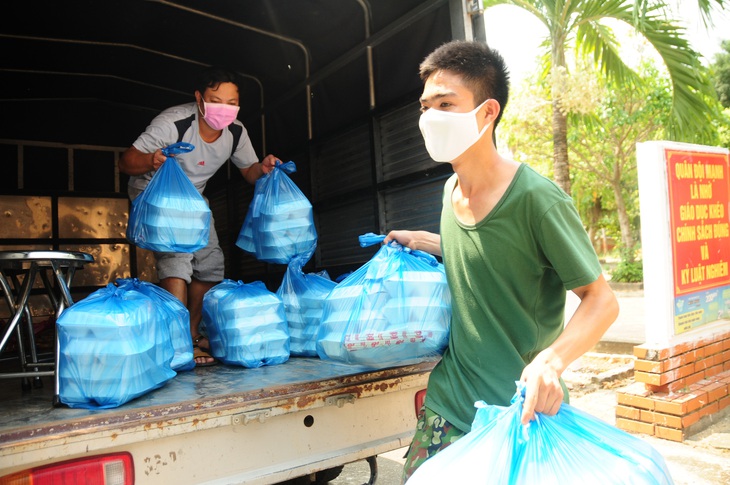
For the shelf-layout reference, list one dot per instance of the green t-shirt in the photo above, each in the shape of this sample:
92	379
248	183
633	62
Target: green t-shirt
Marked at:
508	275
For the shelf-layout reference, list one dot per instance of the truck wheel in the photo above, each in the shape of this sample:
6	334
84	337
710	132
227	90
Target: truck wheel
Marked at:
325	476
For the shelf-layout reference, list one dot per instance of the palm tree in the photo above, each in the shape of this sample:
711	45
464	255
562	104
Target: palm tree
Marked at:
581	23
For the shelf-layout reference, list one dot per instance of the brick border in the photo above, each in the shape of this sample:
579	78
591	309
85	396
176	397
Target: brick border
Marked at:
676	387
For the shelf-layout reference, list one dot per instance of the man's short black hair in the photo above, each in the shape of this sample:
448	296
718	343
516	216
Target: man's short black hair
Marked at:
483	70
212	76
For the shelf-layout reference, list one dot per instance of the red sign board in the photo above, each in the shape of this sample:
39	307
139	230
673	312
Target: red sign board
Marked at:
699	200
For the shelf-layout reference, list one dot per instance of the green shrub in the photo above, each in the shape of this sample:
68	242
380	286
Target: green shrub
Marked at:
628	272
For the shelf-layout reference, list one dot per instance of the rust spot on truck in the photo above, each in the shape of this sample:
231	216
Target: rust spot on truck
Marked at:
358	391
306	401
385	386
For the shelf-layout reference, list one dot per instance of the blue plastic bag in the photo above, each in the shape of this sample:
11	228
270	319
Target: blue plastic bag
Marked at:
571	447
303	296
246	324
111	349
395	309
279	223
171	312
170	215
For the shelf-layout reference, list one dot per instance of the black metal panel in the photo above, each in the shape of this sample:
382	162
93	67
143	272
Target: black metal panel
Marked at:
396	60
93	170
339	228
45	168
229	204
342	164
410	182
401	143
9	164
333	107
415	207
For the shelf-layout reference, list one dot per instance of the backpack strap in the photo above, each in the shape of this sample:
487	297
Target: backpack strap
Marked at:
183	125
236	131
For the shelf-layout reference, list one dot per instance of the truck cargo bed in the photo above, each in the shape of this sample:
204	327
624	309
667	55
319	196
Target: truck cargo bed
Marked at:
322	397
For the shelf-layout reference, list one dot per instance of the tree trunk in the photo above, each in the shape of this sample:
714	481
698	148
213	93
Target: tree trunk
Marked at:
594	214
561	167
627	239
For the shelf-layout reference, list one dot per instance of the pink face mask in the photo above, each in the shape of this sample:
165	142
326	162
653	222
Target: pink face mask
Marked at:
219	115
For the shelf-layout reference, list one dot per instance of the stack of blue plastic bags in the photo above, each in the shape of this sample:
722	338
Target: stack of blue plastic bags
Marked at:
117	344
394	309
246	324
171	311
571	447
170	215
303	296
279	224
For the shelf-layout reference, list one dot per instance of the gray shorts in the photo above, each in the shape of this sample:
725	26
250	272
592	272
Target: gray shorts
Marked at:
206	264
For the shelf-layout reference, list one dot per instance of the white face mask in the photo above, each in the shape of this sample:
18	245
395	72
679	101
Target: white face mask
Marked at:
448	135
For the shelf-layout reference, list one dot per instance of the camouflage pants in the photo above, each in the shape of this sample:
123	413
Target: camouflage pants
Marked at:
433	434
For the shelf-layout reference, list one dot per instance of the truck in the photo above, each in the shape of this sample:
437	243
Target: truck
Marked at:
329	84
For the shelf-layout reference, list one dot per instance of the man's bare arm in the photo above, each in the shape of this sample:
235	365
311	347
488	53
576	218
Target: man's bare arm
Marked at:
428	242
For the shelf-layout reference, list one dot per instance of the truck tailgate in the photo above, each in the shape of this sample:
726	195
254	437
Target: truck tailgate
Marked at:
227	424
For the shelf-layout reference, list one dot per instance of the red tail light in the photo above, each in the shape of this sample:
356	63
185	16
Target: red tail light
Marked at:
420	399
114	469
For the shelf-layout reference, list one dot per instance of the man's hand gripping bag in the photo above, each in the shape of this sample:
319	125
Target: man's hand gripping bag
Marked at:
571	447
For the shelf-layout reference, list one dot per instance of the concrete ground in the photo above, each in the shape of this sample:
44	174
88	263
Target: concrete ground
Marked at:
702	459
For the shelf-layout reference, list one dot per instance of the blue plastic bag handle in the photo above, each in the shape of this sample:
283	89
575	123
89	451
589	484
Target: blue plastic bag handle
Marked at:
258	198
288	167
370	239
177	148
520	392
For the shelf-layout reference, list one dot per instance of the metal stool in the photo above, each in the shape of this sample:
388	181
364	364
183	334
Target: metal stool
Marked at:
62	266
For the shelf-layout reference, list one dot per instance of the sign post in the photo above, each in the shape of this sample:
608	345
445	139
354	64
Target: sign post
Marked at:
682	370
684	193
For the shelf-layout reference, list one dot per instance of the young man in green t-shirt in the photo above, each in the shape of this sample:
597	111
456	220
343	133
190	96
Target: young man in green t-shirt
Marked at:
512	244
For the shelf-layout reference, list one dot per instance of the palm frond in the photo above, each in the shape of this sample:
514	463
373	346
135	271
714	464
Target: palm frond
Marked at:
598	41
706	6
693	91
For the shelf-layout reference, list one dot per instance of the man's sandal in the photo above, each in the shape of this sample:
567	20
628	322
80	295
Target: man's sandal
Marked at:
199	352
196	343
